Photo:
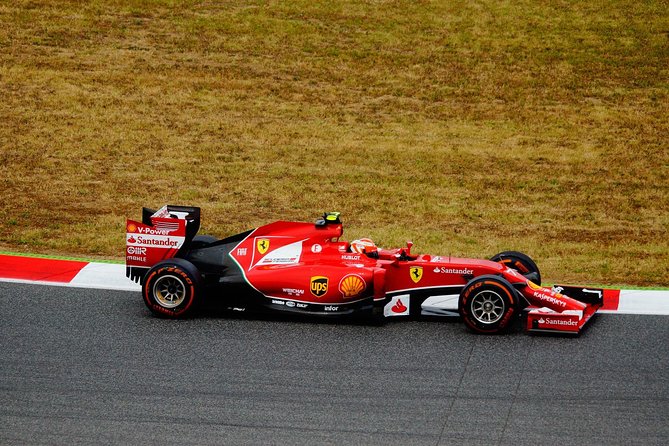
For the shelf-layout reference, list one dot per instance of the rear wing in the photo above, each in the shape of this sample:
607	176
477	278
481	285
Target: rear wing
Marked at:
161	235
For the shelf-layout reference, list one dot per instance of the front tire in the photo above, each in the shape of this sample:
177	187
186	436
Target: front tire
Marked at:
521	263
171	288
488	305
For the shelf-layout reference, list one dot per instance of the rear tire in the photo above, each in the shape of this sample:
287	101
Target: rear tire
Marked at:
521	263
488	305
171	288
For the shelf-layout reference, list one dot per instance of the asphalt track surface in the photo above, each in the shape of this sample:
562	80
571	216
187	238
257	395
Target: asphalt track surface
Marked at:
83	366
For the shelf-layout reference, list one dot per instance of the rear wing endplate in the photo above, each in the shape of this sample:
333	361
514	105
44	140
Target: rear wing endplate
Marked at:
161	235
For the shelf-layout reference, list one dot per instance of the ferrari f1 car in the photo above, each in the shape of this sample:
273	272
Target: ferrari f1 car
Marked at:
306	268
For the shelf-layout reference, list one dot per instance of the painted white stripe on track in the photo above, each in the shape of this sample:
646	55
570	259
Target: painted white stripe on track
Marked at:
117	287
106	276
111	276
644	302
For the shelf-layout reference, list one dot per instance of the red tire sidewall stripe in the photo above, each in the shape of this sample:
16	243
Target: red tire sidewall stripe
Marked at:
465	306
188	281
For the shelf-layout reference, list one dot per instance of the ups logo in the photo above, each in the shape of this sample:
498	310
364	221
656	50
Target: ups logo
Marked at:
319	285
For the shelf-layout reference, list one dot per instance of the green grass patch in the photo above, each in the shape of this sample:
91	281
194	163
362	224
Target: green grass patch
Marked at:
56	257
467	127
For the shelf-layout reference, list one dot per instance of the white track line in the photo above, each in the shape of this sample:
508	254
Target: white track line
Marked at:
643	302
111	276
101	276
107	276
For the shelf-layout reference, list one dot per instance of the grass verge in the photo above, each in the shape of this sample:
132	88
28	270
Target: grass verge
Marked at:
469	128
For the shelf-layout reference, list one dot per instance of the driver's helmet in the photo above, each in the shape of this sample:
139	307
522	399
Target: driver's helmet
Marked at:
363	245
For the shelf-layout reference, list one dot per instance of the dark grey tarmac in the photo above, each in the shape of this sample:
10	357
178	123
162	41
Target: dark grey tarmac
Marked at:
81	366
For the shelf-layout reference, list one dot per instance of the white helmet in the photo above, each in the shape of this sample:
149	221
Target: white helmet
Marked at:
363	245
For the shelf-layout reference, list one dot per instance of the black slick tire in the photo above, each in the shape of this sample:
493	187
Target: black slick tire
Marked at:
489	305
521	263
200	241
171	288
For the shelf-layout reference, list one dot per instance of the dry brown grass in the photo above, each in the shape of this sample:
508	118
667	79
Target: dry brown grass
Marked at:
470	127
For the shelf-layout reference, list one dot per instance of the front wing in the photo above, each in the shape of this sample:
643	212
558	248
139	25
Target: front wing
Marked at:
545	320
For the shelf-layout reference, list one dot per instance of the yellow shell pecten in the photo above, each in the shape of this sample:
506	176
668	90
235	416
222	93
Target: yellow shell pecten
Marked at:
352	286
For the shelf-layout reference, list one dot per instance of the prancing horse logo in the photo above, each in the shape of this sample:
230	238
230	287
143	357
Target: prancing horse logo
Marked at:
262	245
416	273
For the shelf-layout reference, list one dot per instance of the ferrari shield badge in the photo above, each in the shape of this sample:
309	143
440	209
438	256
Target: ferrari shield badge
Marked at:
263	245
416	273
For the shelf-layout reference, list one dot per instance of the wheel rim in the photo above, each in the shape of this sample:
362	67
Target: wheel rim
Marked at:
487	307
169	291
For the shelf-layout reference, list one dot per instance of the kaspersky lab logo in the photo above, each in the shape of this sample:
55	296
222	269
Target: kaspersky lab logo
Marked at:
319	285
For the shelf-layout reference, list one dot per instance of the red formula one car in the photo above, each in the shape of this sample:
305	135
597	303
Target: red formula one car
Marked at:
306	268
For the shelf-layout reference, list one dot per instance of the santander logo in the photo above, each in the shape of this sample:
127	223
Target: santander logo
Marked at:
399	307
132	239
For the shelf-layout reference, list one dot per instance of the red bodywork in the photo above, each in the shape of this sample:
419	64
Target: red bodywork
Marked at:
302	265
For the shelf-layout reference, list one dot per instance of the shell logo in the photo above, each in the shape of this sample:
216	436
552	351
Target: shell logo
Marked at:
132	227
534	286
352	285
547	291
